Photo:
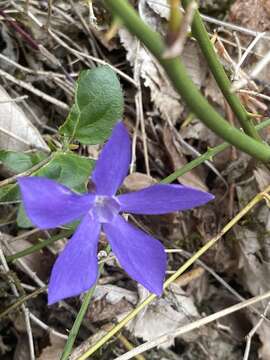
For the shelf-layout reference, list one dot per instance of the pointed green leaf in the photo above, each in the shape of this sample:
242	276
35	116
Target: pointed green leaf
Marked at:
69	169
98	106
18	162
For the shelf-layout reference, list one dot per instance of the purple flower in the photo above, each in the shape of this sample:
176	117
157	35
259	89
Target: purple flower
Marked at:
49	204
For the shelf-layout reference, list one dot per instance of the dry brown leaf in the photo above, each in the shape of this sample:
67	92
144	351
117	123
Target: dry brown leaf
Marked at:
137	181
164	315
254	15
157	318
262	48
53	351
262	176
14	125
178	160
22	348
110	302
37	261
191	55
251	14
8	49
164	97
160	7
114	294
84	346
254	264
197	130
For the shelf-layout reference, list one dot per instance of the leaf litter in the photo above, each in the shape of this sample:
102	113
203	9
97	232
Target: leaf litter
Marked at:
242	261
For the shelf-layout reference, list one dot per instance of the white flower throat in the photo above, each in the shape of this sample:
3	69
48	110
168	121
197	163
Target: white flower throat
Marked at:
105	208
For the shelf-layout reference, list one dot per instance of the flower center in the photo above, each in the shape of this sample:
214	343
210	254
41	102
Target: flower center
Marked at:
105	208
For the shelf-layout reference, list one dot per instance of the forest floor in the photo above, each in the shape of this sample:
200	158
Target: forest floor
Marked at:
42	51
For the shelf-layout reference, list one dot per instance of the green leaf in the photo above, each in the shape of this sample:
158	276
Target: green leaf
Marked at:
98	106
9	193
68	169
18	162
22	219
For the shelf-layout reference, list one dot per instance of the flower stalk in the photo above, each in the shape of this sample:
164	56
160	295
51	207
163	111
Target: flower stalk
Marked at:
179	77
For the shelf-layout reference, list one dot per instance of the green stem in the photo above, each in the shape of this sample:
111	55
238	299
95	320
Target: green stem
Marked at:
39	246
209	154
200	33
77	324
184	85
175	17
78	321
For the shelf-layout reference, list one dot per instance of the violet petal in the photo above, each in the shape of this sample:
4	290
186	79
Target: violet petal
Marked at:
76	268
49	204
142	256
162	198
112	166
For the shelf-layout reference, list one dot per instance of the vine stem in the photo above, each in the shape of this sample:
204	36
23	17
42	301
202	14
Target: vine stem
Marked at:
171	279
200	33
209	154
183	84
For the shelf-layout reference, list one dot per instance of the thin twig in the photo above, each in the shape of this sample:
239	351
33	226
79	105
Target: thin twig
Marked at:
74	51
253	331
89	57
24	308
48	23
23	235
254	93
34	90
220	23
132	167
254	73
195	152
189	327
139	106
52	75
15	100
21	140
15	25
247	52
45	327
187	255
21	301
35	117
22	265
